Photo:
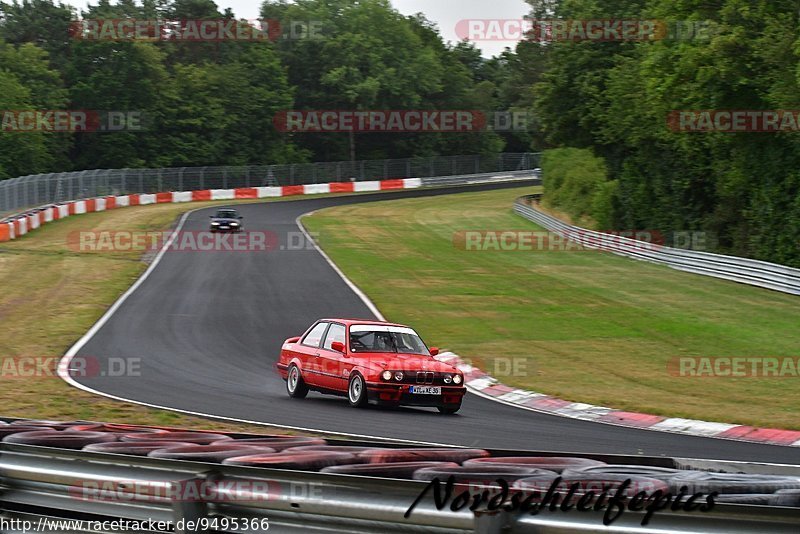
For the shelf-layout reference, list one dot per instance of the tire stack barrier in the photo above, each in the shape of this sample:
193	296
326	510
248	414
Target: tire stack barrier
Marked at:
375	456
550	463
262	479
597	483
208	453
303	461
195	438
388	469
134	448
280	443
64	439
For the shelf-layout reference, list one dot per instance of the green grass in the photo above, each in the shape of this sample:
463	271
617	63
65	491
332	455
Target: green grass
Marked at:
583	326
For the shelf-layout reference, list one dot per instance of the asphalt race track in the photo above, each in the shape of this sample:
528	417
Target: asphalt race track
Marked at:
208	328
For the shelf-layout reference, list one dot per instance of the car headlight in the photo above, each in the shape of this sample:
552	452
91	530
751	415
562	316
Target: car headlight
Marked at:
448	379
398	376
214	224
234	224
457	379
386	375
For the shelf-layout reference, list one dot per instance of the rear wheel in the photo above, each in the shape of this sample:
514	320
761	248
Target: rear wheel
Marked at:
295	386
357	391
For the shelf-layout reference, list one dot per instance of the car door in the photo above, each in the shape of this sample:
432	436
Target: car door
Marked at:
309	352
333	363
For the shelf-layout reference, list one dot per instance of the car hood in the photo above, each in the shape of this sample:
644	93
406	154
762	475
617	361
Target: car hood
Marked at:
378	361
224	221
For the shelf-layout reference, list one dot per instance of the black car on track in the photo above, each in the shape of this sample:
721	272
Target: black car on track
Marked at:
226	220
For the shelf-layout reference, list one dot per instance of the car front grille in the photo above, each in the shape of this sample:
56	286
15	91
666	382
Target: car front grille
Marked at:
425	377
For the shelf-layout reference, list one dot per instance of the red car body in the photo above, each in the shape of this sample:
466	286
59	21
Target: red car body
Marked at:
369	361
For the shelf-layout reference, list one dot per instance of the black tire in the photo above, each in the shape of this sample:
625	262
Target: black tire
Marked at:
449	409
357	391
295	386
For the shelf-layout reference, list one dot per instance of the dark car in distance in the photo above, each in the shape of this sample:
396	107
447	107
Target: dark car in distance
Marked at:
226	220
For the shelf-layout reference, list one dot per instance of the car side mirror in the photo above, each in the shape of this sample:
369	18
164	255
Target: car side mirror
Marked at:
338	346
434	351
240	217
292	340
210	216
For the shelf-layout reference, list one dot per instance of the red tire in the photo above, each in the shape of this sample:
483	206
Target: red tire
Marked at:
404	470
550	463
305	461
280	443
195	438
378	456
134	448
208	453
63	439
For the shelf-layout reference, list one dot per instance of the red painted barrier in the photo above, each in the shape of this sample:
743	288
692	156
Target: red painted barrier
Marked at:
289	190
342	187
111	203
203	194
5	233
246	192
91	205
133	200
163	198
391	184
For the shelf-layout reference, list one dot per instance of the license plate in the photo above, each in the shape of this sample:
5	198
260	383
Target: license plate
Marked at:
223	228
425	390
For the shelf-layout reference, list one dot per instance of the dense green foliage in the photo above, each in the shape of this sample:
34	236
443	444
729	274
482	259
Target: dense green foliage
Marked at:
575	181
213	103
614	98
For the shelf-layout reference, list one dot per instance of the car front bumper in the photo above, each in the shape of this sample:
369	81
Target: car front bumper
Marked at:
398	394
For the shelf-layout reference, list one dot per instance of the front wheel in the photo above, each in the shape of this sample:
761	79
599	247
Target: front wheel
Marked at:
295	385
357	391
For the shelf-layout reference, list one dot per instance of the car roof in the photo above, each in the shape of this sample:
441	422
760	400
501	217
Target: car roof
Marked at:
349	322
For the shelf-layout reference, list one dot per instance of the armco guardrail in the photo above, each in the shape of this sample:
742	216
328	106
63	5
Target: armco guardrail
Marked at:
743	270
25	192
39	482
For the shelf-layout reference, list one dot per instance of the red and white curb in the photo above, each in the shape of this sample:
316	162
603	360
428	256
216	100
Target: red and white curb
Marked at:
33	219
480	383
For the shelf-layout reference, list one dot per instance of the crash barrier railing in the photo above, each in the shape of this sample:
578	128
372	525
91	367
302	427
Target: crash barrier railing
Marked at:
283	487
25	192
743	270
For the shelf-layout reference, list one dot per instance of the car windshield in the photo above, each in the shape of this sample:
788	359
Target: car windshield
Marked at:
226	214
373	338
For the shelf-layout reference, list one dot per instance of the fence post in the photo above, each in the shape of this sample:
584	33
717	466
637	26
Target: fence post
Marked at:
180	178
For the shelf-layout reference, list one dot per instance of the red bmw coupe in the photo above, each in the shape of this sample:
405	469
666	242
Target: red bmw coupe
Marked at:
369	361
